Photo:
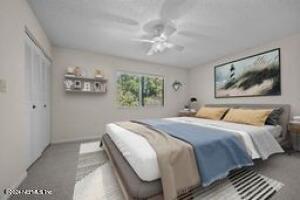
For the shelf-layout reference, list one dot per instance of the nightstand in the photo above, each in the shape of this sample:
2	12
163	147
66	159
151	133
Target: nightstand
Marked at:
294	130
187	113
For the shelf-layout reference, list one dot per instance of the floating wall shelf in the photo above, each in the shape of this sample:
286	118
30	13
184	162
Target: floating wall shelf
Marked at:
78	84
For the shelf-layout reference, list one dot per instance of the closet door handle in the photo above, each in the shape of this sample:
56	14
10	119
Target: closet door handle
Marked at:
34	106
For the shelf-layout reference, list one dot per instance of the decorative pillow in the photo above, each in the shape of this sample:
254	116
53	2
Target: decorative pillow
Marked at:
248	116
274	117
215	113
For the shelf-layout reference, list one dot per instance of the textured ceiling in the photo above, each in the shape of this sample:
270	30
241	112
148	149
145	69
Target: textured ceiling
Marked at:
213	28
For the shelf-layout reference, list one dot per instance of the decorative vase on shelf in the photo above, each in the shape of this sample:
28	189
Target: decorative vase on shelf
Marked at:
77	71
70	70
98	73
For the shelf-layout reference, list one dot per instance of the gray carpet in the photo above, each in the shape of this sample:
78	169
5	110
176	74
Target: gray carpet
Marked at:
286	169
56	171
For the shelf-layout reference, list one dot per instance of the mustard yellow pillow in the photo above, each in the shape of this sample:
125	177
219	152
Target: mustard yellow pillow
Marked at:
248	116
215	113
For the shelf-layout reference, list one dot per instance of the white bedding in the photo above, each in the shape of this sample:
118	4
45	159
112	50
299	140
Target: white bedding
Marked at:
142	158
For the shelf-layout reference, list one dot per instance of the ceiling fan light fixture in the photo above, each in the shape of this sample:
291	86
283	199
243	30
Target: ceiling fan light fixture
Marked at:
159	46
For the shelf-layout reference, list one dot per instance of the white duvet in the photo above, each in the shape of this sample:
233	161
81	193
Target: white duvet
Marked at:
142	158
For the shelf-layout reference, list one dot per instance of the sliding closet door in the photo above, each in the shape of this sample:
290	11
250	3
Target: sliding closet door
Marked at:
36	105
37	101
45	104
47	100
28	103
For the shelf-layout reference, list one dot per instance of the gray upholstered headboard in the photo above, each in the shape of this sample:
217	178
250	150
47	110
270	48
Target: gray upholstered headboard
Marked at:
284	118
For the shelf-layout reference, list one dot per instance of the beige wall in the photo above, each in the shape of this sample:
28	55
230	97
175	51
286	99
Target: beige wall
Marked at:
14	15
84	116
202	77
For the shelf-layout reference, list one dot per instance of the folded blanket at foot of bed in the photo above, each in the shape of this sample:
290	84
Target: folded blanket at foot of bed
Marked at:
176	160
217	151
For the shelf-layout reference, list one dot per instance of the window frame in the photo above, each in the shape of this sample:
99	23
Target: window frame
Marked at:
141	88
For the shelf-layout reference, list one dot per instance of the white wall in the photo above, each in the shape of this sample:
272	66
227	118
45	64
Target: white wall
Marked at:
78	116
202	77
14	15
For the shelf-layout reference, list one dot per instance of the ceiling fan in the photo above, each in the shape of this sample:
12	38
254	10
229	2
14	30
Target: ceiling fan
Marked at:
160	41
159	31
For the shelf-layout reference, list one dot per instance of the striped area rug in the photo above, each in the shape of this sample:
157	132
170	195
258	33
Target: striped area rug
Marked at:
96	181
91	156
245	184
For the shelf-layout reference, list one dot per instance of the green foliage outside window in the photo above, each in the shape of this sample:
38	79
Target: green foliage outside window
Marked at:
153	90
136	90
128	87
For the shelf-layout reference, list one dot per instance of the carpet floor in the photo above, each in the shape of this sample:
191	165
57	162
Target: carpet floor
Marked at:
56	171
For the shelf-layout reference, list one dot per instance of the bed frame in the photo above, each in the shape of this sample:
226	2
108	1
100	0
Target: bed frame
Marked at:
116	155
115	171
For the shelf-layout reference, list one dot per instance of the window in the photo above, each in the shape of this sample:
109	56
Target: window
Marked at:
139	90
153	87
129	87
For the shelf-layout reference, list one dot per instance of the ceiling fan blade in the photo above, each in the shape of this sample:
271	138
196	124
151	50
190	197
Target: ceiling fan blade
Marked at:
143	40
151	51
192	34
117	19
175	9
174	46
169	29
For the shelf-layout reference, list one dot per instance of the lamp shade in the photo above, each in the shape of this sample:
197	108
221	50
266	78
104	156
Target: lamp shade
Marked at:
193	99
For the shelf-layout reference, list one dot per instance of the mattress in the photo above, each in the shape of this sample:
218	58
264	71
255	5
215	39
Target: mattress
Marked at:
142	157
136	150
135	187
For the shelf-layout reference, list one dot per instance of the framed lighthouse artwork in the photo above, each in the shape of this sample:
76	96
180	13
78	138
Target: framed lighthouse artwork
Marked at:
256	75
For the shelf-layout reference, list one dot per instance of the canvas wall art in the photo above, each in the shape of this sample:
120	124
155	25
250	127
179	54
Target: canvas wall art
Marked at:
257	75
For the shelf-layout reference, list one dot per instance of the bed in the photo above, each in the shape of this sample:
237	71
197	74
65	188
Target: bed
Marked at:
135	163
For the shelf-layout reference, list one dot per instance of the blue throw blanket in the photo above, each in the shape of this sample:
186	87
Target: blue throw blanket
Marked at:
217	151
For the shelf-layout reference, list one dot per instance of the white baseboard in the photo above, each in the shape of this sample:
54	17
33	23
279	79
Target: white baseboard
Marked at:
15	185
82	139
